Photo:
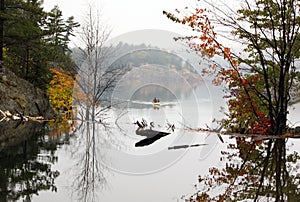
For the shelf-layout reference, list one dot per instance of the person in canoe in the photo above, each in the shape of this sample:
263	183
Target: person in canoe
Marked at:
156	100
156	103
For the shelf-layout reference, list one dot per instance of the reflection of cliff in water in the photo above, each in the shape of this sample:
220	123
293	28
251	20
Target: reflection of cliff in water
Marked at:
26	158
14	132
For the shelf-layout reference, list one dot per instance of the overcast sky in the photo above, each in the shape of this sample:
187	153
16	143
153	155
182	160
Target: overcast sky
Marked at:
125	16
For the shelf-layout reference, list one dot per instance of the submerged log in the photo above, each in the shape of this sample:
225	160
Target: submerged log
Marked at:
186	146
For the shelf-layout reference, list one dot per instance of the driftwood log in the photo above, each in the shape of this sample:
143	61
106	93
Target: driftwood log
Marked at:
8	116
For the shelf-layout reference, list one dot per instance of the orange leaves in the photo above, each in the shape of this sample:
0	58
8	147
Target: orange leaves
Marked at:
247	114
61	127
229	76
227	54
244	91
263	125
60	91
205	40
200	10
217	81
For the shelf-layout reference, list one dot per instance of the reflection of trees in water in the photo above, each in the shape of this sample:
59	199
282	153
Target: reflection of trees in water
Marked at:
96	81
25	166
90	171
256	171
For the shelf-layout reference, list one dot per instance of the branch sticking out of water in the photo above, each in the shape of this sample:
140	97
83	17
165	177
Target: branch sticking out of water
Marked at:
210	130
292	133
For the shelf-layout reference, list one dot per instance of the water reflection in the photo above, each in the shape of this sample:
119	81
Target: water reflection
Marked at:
89	171
91	145
258	171
151	136
26	161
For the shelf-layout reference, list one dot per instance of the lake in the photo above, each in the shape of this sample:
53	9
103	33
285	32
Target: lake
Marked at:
118	162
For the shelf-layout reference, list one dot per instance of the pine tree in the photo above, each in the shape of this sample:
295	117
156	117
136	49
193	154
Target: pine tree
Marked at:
35	40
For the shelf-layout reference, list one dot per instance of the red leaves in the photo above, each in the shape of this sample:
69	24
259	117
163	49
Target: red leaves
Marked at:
200	23
244	112
205	41
263	125
227	54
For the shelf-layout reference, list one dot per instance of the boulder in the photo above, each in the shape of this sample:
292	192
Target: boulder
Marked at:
19	96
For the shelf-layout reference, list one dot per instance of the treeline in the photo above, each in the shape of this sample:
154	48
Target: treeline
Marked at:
34	41
137	55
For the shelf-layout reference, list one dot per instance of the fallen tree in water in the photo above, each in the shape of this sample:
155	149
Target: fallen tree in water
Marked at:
291	133
7	116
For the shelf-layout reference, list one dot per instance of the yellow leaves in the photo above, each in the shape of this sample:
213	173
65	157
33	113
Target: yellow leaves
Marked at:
60	92
61	127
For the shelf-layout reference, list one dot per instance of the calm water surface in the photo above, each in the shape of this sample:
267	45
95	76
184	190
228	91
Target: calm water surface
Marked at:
105	164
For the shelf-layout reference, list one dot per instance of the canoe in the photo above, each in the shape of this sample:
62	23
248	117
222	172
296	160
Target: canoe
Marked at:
156	104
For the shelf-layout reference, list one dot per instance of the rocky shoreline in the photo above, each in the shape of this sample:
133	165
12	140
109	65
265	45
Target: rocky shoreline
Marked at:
18	96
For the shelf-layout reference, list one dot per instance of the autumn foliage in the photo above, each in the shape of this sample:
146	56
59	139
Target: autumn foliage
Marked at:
250	170
205	41
258	84
60	92
267	33
247	114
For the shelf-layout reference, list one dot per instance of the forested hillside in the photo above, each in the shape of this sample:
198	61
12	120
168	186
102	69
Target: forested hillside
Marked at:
34	40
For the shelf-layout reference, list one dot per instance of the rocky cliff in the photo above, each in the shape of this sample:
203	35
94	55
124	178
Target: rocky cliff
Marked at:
19	96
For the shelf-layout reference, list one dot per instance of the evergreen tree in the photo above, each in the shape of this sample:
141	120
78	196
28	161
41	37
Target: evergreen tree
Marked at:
35	40
57	37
